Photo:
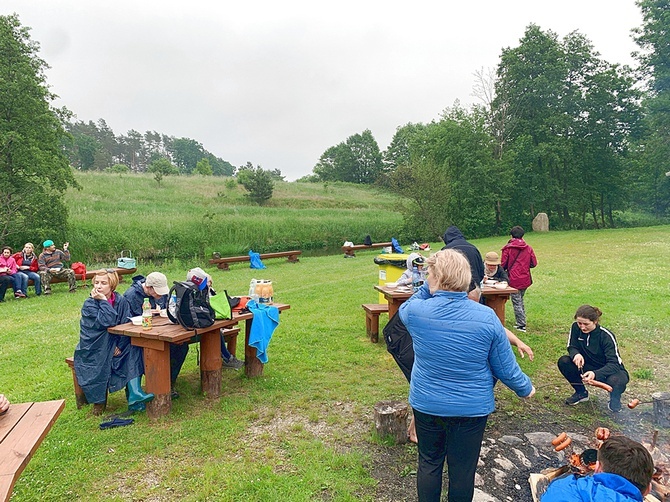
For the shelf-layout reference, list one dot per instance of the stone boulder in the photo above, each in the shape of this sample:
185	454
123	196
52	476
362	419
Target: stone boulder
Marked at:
541	223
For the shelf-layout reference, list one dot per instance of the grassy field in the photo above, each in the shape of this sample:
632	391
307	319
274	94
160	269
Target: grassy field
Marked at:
193	216
304	430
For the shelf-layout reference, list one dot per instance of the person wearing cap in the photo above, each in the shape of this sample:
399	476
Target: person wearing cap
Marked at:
492	269
50	264
406	277
155	287
203	280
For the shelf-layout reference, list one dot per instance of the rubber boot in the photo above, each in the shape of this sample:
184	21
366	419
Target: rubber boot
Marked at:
135	393
137	407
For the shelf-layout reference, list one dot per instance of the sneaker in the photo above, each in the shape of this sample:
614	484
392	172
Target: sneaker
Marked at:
174	394
577	398
19	294
520	328
232	364
614	405
47	292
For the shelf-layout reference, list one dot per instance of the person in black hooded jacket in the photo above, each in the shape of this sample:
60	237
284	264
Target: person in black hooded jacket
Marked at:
453	239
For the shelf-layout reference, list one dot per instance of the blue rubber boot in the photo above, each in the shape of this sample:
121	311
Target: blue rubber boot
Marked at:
135	393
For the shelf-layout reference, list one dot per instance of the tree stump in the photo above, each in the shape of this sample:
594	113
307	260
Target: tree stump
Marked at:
661	402
391	420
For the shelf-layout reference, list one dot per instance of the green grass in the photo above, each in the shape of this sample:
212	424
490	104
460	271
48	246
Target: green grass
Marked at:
193	216
304	431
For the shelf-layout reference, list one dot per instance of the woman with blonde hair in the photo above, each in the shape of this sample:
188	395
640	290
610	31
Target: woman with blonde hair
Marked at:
460	350
104	362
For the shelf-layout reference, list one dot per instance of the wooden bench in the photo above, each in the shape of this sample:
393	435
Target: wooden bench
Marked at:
89	275
222	263
372	312
22	429
229	334
351	250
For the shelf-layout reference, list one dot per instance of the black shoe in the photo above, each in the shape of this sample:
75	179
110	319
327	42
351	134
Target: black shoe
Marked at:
614	405
174	394
576	398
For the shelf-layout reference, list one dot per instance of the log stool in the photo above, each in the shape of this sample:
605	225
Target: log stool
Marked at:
372	312
391	420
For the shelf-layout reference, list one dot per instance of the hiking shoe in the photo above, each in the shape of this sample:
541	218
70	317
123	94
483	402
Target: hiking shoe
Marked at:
232	364
576	398
614	405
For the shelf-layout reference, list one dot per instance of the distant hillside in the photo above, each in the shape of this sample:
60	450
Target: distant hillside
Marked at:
193	216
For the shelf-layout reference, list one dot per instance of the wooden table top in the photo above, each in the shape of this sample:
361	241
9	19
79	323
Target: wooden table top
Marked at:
163	329
403	293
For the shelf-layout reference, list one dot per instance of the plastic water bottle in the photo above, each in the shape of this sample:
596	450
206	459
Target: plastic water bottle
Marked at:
146	314
252	287
416	279
172	305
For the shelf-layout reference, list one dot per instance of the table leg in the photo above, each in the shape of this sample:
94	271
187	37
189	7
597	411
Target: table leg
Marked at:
210	363
497	303
157	372
252	366
393	306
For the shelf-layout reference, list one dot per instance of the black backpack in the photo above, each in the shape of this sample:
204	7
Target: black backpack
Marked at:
192	309
399	344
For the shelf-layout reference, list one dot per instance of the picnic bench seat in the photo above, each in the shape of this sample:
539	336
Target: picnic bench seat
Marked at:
222	263
372	313
22	429
351	250
229	334
90	274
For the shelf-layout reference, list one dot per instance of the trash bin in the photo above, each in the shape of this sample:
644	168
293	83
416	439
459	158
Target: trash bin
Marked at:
391	267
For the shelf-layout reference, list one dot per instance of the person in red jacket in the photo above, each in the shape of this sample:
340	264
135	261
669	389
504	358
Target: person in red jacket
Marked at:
26	261
517	259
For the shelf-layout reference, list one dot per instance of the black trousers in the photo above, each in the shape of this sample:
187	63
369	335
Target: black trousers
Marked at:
456	439
5	282
569	370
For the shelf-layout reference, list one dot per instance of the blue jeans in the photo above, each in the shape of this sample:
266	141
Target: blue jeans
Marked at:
27	275
459	440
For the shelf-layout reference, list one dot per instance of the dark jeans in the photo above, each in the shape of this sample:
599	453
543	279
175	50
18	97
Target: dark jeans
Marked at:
177	357
5	282
459	440
569	370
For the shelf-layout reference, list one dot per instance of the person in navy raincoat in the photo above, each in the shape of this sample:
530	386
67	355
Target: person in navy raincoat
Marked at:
104	362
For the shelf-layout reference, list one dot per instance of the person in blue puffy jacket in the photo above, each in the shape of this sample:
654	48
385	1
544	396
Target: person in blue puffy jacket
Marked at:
622	474
460	350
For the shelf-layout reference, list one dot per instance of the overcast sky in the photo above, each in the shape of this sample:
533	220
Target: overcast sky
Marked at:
278	82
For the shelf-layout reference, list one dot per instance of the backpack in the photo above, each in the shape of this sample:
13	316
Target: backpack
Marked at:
399	344
192	308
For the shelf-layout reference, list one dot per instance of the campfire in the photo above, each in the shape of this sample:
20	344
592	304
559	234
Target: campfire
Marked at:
584	463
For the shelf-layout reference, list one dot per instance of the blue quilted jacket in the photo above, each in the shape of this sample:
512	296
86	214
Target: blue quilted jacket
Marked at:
460	350
603	487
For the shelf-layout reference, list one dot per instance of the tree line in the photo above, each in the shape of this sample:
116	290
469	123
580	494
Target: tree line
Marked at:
557	130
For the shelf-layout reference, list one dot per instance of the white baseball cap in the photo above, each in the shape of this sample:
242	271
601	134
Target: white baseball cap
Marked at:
159	282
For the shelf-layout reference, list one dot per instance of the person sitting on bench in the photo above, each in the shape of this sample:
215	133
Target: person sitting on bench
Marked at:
50	263
155	287
104	362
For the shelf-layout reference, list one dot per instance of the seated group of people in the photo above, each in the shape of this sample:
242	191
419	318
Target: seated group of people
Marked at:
19	268
105	362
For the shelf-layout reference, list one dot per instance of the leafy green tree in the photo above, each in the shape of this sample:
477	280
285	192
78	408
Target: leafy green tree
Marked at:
34	172
358	160
243	172
186	153
259	184
653	159
162	167
204	167
118	168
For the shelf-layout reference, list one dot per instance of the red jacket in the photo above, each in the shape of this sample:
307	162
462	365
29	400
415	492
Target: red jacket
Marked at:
518	258
18	257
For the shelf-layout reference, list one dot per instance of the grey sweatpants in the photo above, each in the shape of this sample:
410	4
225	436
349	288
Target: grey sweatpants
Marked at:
519	311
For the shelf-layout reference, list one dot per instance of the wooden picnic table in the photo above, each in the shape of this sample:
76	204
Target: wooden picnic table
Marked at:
22	429
495	298
156	344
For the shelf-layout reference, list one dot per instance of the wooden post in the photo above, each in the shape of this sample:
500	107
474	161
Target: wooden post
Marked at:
391	420
157	357
78	392
252	366
210	363
661	402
